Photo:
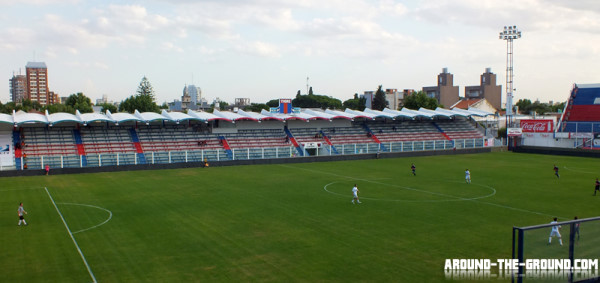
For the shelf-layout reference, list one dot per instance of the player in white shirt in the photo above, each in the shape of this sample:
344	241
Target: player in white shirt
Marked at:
21	212
555	232
468	176
355	192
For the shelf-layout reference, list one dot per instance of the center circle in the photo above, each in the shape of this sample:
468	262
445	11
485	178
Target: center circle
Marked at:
438	196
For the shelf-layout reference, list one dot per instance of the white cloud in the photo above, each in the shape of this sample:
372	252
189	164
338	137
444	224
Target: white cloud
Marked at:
169	46
258	48
37	2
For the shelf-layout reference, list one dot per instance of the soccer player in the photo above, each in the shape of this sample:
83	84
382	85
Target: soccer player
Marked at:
47	169
413	168
597	186
556	171
21	212
355	192
468	176
555	232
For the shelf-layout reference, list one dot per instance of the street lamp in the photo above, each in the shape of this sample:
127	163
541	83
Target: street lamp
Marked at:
509	34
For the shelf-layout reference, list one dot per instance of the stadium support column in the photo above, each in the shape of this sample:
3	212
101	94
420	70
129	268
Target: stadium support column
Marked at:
510	33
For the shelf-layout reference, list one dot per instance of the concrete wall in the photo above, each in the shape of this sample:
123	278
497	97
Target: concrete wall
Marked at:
558	151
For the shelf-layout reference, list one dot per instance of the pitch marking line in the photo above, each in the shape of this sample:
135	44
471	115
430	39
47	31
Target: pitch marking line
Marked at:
577	170
72	238
92	206
473	200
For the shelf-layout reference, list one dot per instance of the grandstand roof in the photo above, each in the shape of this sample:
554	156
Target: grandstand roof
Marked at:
378	113
588	85
61	117
20	117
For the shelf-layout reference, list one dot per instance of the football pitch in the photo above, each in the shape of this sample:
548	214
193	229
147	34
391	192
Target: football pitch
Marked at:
288	222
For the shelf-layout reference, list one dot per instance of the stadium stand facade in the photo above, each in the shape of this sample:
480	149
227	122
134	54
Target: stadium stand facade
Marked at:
63	140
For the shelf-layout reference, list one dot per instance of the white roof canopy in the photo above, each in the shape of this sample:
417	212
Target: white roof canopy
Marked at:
20	117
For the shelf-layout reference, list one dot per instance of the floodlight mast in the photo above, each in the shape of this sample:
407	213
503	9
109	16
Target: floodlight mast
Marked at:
509	34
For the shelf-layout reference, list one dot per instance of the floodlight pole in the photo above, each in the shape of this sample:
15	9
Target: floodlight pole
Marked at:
509	34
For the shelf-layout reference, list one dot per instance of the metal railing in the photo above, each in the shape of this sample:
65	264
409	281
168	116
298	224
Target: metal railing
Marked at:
210	155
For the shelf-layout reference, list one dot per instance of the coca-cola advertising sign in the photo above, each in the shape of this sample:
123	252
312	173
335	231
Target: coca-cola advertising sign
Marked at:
537	126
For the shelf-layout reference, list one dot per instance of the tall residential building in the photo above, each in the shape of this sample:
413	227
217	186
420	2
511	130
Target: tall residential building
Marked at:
445	92
37	83
195	94
487	89
18	88
394	98
369	95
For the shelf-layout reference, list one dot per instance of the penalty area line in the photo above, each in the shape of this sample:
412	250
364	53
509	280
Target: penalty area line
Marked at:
72	238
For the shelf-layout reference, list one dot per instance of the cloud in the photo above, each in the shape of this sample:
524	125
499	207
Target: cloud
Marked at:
37	2
535	15
258	48
169	46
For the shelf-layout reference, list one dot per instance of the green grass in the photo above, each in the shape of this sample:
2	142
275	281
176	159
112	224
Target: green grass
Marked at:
293	222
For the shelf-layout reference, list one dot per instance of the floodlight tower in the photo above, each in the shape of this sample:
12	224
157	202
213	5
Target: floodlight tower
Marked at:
509	34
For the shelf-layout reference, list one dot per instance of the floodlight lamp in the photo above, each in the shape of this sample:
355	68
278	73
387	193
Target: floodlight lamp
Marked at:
514	27
504	27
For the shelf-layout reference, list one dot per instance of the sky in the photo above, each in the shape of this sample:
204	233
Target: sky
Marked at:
266	49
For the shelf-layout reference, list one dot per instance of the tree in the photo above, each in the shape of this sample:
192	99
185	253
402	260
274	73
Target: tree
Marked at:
420	99
524	105
143	101
80	102
222	105
275	102
379	102
28	105
558	107
356	103
145	89
256	107
316	101
310	91
56	108
107	106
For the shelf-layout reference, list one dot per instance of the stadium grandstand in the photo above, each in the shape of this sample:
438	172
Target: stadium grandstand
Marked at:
582	110
63	140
